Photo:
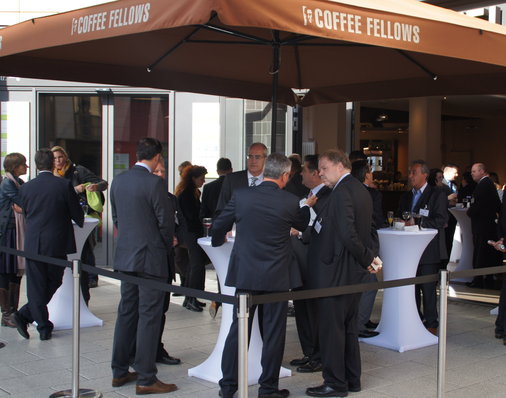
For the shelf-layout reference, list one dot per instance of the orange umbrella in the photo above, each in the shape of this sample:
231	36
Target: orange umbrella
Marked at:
259	49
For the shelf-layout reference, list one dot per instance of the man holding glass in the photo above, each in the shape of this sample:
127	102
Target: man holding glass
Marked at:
429	205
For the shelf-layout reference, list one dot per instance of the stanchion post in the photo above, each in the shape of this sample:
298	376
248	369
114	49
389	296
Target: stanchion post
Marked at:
242	319
76	324
443	320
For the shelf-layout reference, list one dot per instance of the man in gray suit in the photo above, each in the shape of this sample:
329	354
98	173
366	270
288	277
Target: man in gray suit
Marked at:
144	217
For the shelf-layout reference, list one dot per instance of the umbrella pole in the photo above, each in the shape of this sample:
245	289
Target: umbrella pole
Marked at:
274	102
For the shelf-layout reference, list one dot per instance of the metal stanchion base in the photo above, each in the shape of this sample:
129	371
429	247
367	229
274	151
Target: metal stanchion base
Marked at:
83	392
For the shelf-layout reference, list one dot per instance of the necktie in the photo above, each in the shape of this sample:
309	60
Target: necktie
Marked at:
416	196
310	194
253	181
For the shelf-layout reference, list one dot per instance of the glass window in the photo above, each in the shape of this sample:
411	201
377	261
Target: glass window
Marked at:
258	117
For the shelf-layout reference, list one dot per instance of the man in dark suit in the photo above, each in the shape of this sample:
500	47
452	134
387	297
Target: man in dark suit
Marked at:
250	177
361	170
450	173
49	204
430	204
306	317
162	356
340	254
144	217
261	261
485	206
211	191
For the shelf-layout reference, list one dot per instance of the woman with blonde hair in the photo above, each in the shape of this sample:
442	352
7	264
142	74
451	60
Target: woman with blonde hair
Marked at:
12	227
188	196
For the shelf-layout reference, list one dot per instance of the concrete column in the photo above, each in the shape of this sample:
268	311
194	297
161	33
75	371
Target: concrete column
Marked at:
326	125
425	130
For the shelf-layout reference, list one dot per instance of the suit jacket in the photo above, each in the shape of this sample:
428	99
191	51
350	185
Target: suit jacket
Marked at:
502	220
190	209
144	216
232	181
262	258
50	204
435	200
295	186
343	249
484	209
377	208
300	244
210	196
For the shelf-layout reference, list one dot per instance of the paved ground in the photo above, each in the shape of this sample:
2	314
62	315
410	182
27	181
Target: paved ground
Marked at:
476	361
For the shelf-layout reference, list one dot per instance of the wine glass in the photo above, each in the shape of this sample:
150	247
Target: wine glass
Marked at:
406	215
207	222
390	218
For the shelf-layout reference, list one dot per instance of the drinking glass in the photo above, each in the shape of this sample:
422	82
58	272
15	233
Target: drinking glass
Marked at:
390	218
207	222
406	215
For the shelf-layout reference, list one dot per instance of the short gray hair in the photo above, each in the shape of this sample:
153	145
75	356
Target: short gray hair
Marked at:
276	165
423	164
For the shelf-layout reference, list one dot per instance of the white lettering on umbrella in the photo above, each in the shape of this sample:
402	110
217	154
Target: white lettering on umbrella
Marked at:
352	23
116	18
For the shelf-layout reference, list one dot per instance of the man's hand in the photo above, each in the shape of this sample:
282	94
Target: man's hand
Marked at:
375	266
294	232
499	245
16	208
79	188
92	188
311	201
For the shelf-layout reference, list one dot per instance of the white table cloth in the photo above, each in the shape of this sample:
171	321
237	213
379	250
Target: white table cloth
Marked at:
466	243
60	307
210	369
400	327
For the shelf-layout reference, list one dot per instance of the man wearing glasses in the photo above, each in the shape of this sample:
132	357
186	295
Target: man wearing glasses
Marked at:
250	177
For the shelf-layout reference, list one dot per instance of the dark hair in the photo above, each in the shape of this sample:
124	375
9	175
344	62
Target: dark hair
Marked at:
12	161
356	155
44	159
223	164
494	177
148	148
431	180
337	156
312	162
359	168
468	177
296	167
190	172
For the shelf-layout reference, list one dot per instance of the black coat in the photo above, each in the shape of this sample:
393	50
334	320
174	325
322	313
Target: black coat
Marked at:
341	251
210	196
484	209
50	204
262	257
435	201
232	181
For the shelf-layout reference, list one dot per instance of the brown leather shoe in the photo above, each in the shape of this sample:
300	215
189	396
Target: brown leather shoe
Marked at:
433	331
128	378
157	387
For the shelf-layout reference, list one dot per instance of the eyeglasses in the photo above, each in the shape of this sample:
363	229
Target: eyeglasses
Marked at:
257	157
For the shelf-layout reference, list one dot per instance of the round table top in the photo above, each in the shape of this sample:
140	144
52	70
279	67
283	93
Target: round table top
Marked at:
425	231
206	241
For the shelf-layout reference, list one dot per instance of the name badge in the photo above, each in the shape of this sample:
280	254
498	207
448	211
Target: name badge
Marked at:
318	226
424	212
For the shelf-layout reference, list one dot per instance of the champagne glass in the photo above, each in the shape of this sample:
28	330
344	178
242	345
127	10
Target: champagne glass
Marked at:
207	222
390	218
406	215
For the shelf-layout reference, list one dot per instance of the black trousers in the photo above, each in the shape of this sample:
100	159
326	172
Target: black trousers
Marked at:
500	322
42	281
197	262
161	351
273	330
426	296
339	346
306	319
138	322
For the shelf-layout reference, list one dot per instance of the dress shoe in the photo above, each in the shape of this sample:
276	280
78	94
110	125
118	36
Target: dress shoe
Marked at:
365	334
176	294
168	360
433	331
121	381
325	391
220	393
21	324
157	387
275	394
193	306
310	367
299	361
499	335
2	345
371	325
213	309
46	335
200	303
354	387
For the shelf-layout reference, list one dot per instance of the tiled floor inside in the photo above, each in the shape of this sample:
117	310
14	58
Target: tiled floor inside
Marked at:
476	361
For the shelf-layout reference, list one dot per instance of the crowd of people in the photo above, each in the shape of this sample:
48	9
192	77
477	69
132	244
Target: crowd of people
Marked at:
300	223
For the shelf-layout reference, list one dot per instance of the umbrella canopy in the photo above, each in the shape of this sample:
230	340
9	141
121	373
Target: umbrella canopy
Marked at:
340	50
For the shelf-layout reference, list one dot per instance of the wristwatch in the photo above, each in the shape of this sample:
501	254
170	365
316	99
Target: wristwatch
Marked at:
502	247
